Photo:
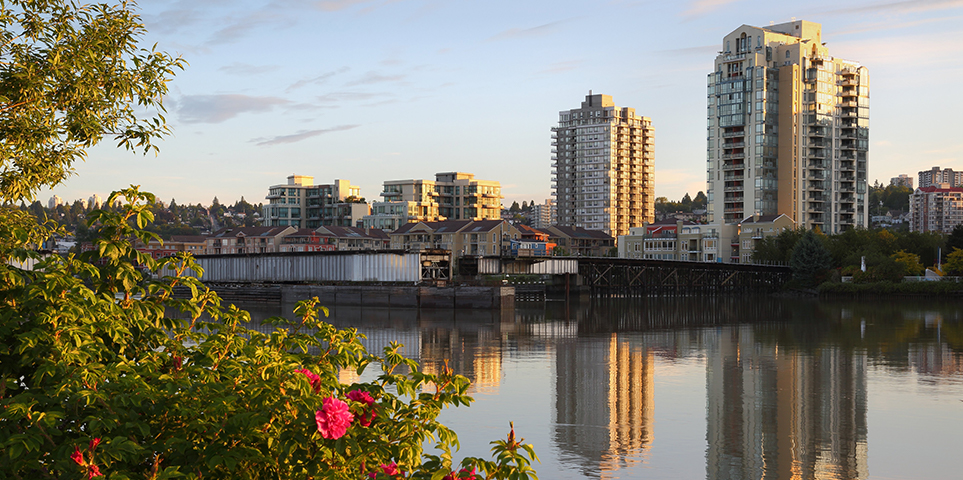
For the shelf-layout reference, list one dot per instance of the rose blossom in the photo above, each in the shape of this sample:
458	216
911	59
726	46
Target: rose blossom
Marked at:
462	474
362	396
313	378
333	418
390	469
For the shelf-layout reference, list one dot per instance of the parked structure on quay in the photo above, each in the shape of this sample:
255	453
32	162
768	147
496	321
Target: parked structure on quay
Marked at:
788	130
603	167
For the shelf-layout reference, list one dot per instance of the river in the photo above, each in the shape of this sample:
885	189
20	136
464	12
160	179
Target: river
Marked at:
700	387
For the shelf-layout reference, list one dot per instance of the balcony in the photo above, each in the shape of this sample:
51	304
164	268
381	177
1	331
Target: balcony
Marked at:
728	167
733	134
732	156
734	145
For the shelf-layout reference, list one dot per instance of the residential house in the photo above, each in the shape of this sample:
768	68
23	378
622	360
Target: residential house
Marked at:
239	240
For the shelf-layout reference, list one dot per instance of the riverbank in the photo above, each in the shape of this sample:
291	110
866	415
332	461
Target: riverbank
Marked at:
397	296
907	289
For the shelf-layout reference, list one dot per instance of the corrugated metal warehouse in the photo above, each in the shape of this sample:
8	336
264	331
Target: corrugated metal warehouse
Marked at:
391	266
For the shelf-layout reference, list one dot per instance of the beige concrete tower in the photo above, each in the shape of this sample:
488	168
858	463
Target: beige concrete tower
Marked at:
788	130
603	167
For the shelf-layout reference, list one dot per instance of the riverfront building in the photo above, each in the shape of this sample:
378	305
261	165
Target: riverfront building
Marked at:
788	130
687	241
603	167
302	204
451	196
461	237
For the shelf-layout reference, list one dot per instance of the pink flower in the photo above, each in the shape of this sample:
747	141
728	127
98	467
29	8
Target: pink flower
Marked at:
463	474
77	456
333	418
362	396
93	444
93	471
390	469
313	378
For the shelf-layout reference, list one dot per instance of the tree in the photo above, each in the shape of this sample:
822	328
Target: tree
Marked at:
809	259
910	262
954	262
955	239
700	200
70	76
514	208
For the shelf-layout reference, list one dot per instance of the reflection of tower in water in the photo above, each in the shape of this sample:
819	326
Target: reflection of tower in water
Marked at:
603	402
476	354
782	413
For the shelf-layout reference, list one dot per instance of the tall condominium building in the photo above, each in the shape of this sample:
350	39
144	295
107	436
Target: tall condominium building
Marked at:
544	214
936	208
935	176
301	203
788	130
903	180
603	167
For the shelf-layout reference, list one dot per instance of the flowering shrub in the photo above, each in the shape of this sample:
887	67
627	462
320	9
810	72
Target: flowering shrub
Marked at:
89	354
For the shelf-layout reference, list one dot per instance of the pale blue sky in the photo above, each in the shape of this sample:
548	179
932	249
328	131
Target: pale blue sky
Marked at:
391	89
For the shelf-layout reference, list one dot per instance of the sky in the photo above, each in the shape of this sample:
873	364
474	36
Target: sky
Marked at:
376	90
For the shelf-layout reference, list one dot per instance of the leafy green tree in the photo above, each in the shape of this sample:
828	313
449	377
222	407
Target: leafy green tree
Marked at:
910	262
954	263
809	259
955	239
70	75
700	200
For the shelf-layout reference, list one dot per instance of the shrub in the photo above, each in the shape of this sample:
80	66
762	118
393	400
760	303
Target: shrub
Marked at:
98	379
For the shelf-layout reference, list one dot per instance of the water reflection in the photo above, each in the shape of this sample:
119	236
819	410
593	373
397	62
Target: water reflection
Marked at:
785	382
603	402
783	412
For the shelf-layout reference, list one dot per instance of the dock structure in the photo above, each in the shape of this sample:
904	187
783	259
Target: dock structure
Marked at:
635	277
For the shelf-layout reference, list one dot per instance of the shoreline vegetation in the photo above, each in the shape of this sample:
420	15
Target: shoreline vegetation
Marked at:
902	288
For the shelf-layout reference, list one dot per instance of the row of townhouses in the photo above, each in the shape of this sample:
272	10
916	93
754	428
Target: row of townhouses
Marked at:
461	237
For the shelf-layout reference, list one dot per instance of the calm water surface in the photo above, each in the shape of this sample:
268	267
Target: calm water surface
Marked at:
687	388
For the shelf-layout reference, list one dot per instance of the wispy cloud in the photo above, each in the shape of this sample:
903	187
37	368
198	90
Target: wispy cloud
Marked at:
699	8
238	68
513	33
247	25
302	135
559	67
339	97
371	78
894	24
318	80
901	7
336	5
219	108
703	51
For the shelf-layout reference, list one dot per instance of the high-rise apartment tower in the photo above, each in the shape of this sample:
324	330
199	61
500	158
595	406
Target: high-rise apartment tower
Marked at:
603	167
788	130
